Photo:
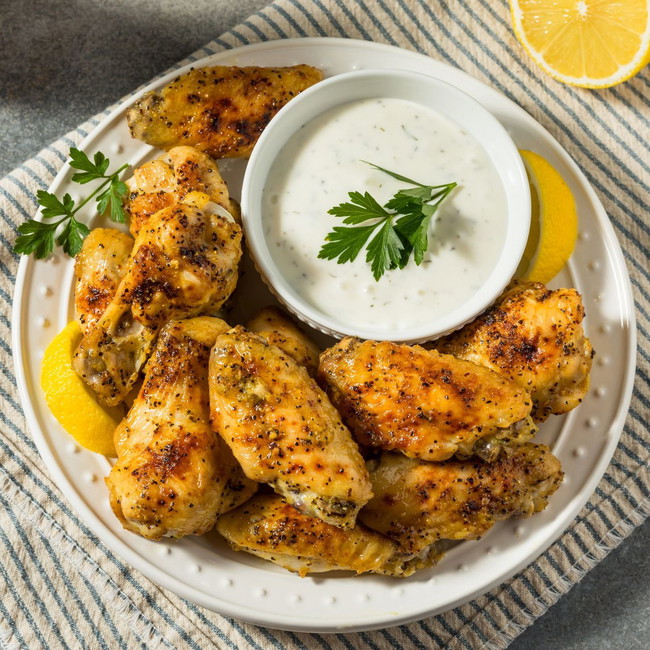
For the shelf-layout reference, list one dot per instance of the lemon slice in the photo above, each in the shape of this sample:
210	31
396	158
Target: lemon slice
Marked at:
588	43
72	403
554	221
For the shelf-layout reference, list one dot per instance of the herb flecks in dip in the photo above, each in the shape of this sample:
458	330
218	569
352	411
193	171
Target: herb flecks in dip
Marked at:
322	162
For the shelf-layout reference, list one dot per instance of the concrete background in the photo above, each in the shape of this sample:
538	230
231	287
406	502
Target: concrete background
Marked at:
62	62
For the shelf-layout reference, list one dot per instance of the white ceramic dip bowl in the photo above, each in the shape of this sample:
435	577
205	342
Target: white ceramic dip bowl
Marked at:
316	150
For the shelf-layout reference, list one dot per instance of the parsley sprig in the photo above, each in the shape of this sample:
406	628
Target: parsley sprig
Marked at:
400	227
39	237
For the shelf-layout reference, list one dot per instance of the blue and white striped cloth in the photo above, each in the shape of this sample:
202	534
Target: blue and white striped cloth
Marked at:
60	587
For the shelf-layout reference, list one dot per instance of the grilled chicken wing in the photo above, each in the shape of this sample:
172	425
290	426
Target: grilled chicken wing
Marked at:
417	503
220	110
534	337
169	179
98	270
183	264
283	430
173	474
424	404
267	526
278	328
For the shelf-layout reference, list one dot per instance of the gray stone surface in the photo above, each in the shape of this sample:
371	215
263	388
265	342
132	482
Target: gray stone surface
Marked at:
62	62
609	608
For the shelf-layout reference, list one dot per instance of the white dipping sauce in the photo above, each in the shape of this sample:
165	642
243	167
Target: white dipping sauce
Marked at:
322	162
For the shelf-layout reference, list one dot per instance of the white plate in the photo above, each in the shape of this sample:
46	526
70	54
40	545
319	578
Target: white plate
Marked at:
203	570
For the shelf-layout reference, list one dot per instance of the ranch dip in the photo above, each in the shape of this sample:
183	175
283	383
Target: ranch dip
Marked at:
323	161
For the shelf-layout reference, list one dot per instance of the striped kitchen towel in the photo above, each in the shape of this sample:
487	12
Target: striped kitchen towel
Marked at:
60	587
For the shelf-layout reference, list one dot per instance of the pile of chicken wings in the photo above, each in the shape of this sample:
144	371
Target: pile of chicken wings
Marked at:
369	456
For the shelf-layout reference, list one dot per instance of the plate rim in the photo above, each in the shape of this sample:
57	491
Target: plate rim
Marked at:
313	624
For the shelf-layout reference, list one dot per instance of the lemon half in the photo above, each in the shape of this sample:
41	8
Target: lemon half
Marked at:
588	43
554	221
72	403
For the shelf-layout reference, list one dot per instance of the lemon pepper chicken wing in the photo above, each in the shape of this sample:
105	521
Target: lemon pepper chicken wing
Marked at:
169	179
98	270
278	328
173	474
183	264
423	404
533	336
283	430
417	503
221	110
267	526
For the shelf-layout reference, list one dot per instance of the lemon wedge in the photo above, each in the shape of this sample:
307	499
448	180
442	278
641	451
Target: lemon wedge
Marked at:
72	403
554	221
588	43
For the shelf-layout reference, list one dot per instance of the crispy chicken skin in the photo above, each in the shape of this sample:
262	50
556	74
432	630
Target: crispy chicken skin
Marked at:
220	110
183	264
174	476
533	336
417	503
169	179
424	404
98	271
278	328
283	430
267	526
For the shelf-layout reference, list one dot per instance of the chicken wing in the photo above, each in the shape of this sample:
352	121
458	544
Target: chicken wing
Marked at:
183	264
267	526
173	474
278	328
220	110
534	337
98	270
417	503
283	430
169	179
424	404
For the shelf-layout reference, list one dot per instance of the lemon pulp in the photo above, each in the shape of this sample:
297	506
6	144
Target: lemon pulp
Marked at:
589	43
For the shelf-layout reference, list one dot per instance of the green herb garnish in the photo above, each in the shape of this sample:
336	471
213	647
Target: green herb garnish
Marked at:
402	226
39	237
